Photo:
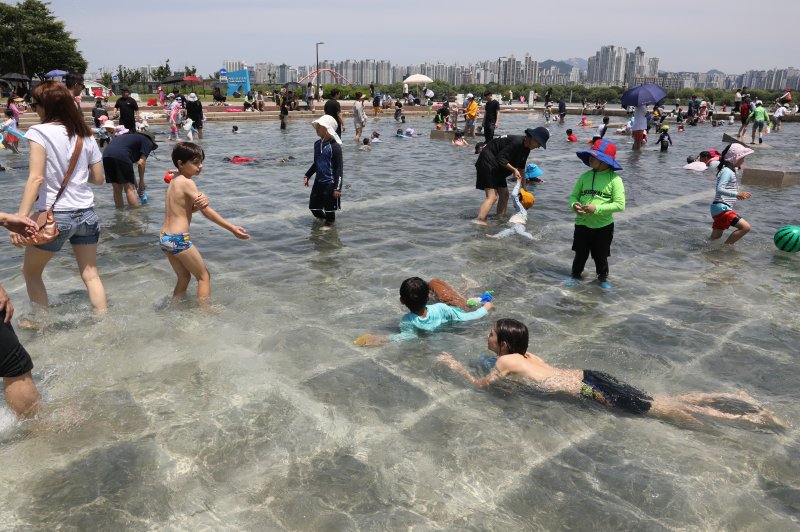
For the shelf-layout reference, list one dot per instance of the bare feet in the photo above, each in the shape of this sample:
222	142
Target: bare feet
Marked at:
480	222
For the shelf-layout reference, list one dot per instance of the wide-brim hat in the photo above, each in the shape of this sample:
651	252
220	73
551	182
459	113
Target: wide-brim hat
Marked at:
192	97
603	151
330	124
532	171
150	136
469	96
539	134
108	124
736	152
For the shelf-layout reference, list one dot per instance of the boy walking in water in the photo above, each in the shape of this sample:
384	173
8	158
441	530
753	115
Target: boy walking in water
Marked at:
182	199
327	165
597	195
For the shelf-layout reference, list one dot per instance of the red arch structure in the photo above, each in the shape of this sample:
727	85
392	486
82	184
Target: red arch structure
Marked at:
313	75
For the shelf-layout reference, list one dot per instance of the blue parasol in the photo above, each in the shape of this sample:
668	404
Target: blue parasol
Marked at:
55	74
642	95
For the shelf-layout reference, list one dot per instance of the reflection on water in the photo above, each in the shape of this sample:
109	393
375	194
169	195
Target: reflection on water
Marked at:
264	415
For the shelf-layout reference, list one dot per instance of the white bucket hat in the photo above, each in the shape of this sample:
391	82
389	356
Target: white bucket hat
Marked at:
329	123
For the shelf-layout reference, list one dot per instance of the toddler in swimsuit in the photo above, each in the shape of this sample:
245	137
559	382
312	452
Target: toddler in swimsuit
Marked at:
182	199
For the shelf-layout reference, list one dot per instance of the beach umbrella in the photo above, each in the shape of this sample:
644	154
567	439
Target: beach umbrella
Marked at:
13	76
642	95
191	80
56	74
417	79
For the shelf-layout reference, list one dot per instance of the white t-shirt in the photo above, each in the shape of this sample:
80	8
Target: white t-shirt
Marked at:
697	166
58	149
780	111
640	118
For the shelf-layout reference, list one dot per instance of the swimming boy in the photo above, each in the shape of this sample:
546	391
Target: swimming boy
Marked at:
571	136
182	199
597	195
509	340
414	294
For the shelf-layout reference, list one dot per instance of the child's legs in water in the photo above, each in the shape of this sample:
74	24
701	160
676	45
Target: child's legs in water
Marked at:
742	228
601	249
186	264
582	246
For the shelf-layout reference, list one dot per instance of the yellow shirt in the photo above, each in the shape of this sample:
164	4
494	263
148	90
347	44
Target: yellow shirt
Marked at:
472	110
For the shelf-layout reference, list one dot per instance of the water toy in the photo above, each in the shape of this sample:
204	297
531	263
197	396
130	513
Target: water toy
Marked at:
447	294
168	176
484	298
787	238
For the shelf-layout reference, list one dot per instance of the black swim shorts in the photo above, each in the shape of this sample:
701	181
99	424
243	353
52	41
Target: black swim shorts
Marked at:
607	390
14	360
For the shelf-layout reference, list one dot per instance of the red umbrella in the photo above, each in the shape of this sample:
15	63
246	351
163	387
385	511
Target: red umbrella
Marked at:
191	80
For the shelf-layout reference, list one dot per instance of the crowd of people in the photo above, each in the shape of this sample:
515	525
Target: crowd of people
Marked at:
65	159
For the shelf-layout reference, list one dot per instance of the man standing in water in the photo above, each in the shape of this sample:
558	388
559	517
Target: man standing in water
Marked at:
334	109
500	158
490	115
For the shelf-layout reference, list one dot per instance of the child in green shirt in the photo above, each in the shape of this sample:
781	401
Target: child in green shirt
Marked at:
596	196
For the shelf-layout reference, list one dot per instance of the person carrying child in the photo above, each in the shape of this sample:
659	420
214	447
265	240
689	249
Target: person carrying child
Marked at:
326	193
414	293
597	195
509	339
182	199
727	192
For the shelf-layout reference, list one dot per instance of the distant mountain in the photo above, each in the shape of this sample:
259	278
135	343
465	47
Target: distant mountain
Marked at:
565	66
579	62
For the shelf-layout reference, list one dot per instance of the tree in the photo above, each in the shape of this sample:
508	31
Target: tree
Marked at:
128	76
162	72
106	79
34	42
189	71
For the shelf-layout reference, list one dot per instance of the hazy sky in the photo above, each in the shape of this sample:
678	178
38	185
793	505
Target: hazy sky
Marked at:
693	36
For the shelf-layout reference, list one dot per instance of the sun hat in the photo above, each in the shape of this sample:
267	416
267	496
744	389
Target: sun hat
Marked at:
469	96
149	136
192	97
539	134
603	151
170	95
102	119
107	124
759	102
526	198
329	123
532	171
120	130
736	152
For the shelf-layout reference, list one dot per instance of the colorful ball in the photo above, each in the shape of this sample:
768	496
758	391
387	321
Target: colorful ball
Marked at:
787	238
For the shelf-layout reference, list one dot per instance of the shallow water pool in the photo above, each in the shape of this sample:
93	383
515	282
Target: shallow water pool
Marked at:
263	415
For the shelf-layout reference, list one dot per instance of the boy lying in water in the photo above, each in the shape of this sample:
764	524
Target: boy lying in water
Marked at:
509	338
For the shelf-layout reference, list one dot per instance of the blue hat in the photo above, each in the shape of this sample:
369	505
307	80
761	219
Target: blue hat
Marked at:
602	150
532	171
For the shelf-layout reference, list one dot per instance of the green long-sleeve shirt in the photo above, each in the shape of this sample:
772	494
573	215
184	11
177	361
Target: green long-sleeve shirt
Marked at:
759	115
605	191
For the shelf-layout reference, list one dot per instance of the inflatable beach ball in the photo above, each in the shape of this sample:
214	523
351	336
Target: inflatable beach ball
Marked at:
787	238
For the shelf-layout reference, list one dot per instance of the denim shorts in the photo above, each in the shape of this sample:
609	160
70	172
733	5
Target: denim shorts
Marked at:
79	227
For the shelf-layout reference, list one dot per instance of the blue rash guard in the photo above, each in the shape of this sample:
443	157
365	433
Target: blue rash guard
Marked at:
437	315
327	164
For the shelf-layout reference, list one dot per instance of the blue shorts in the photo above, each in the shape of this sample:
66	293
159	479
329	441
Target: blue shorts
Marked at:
174	243
79	227
470	122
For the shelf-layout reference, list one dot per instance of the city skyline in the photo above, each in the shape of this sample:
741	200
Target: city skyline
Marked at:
204	33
